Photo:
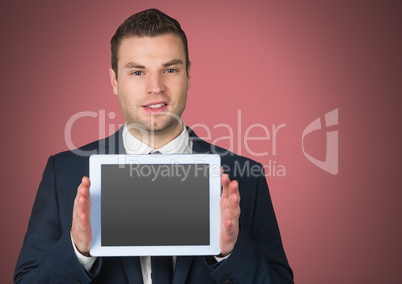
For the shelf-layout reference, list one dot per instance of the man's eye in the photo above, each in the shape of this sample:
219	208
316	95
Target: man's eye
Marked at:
170	70
137	73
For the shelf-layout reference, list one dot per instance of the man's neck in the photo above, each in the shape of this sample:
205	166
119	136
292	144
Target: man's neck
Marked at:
157	139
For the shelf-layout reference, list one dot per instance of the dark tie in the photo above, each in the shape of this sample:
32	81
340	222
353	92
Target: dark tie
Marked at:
161	266
161	269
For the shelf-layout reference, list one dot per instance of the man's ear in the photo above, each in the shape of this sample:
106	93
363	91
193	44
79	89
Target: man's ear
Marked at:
113	81
188	76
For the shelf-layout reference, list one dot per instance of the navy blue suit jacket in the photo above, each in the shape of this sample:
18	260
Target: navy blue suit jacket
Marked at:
47	255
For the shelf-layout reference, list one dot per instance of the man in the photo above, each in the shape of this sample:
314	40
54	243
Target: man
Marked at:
150	74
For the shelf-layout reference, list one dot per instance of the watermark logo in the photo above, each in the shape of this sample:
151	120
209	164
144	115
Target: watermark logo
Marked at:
330	164
255	139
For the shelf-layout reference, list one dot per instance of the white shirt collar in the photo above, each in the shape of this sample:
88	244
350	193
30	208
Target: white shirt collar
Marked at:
180	145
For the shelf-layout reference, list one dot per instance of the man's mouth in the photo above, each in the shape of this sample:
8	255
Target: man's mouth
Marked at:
156	105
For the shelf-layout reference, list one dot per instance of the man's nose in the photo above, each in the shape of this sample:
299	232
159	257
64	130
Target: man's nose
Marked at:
155	84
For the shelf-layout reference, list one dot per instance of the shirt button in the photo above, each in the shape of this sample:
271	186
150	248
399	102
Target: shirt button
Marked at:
226	280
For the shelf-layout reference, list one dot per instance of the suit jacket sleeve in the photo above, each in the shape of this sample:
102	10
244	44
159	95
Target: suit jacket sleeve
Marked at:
258	256
47	254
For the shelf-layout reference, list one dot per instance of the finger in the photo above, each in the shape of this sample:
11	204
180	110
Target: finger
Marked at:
233	187
231	231
82	191
234	194
231	195
233	201
229	226
85	181
83	188
82	203
85	207
225	182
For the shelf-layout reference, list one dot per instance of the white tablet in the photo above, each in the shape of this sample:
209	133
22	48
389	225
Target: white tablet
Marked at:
155	204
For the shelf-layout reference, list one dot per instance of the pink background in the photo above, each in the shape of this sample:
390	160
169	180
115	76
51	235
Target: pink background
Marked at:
275	62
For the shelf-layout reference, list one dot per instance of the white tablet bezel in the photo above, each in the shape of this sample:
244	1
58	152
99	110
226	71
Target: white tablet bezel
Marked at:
95	164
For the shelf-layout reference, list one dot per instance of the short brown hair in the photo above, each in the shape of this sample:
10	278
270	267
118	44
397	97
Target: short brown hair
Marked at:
150	23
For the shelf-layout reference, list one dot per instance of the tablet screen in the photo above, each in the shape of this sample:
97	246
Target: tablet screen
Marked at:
141	203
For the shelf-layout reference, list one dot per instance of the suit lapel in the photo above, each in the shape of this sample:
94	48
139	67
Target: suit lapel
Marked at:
199	146
132	267
113	144
183	264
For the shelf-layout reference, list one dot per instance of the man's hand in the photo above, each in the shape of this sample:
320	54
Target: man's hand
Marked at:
81	229
230	212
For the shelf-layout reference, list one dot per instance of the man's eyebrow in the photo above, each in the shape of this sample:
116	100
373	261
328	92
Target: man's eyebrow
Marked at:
132	65
173	62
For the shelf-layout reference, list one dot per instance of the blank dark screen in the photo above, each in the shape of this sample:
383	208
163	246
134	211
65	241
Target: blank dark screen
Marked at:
155	204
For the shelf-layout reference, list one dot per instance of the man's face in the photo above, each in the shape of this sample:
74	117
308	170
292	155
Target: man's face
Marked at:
152	83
